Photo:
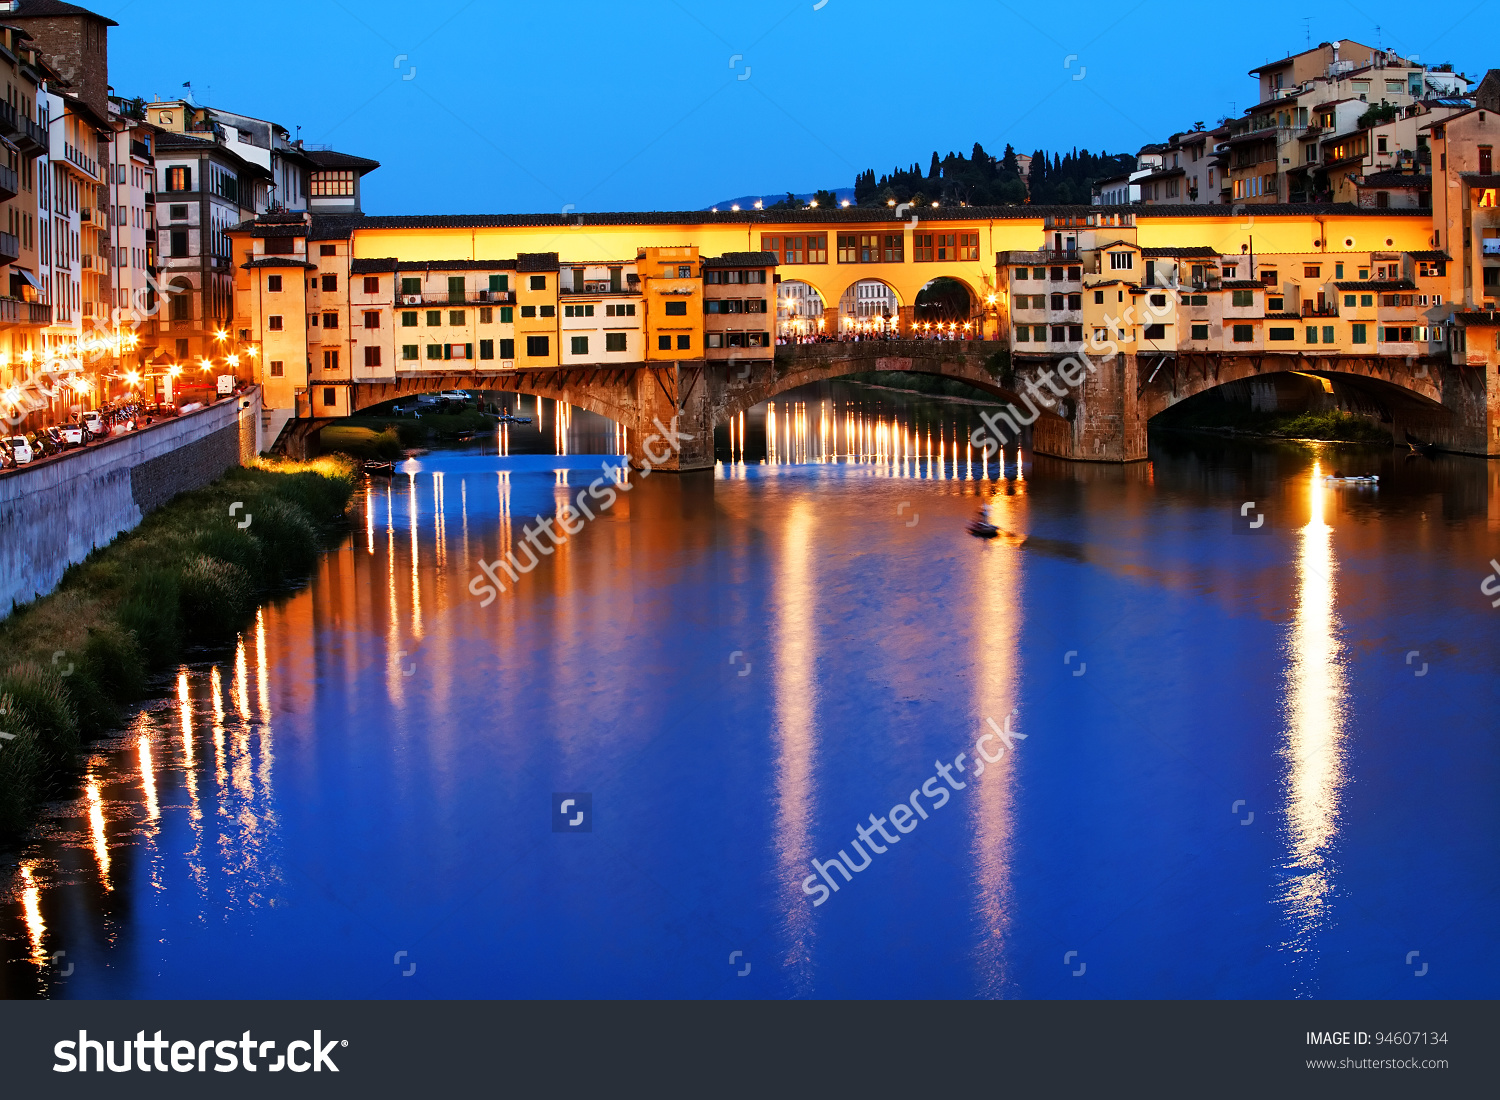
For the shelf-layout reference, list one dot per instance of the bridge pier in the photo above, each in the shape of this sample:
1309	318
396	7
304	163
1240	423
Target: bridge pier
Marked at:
675	397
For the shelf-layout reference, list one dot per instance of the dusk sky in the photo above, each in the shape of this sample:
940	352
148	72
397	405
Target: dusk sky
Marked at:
671	106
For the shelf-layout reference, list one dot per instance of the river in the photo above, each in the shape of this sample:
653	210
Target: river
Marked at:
1249	760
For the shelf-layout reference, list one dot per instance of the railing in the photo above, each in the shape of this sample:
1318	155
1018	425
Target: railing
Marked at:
10	247
1045	256
10	184
86	214
1312	309
138	149
86	262
78	158
29	135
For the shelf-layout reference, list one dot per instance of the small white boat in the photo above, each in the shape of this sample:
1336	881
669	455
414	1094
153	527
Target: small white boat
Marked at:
1368	479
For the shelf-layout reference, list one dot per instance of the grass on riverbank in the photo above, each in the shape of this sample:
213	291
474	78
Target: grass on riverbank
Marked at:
384	436
189	574
1331	425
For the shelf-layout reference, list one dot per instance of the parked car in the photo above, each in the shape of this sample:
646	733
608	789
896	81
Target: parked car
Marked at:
461	396
94	423
161	409
74	434
7	456
20	449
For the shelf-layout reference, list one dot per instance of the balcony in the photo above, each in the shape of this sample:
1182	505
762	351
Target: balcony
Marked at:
138	149
10	248
86	214
14	312
10	185
86	262
79	160
1313	309
28	136
1045	256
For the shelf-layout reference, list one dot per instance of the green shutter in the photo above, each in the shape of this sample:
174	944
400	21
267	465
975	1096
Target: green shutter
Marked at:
468	351
411	286
455	288
507	314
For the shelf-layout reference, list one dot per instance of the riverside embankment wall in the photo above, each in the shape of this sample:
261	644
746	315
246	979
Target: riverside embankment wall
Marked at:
53	513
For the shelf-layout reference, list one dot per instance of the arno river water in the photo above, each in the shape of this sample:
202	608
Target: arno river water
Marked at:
1256	761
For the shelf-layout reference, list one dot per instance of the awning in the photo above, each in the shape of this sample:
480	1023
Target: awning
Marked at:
27	277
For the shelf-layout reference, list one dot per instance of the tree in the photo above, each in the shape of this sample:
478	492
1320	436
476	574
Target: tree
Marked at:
825	198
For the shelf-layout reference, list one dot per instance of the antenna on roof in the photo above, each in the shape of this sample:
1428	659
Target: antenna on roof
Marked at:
1307	30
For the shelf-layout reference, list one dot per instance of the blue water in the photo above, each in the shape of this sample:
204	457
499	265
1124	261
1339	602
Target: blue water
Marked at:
1233	781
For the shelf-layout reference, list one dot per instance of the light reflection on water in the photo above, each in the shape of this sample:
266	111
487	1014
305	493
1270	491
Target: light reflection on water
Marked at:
401	798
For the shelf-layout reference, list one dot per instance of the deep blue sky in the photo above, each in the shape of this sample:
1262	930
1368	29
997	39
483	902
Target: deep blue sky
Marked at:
636	106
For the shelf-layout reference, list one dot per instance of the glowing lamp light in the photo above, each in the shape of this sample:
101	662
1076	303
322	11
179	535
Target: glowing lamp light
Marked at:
757	204
207	363
844	203
221	335
253	351
174	370
27	356
736	206
991	299
232	360
133	377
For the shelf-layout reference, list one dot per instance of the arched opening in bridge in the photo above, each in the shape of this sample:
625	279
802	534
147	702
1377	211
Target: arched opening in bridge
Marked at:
945	301
869	305
1314	405
799	309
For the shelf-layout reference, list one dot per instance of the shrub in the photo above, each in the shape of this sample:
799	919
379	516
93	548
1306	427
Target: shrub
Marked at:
23	769
150	612
217	597
288	538
37	699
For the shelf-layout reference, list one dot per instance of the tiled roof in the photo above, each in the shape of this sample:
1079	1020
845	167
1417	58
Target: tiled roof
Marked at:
328	159
44	8
1396	179
462	265
1430	254
372	266
1195	251
1283	317
1396	284
536	261
280	261
1474	179
1484	317
1241	284
255	229
741	259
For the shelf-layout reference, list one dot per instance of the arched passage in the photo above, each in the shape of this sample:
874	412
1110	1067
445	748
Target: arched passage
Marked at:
869	305
799	309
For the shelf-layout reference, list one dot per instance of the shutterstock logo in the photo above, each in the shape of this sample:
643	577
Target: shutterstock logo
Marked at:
186	1056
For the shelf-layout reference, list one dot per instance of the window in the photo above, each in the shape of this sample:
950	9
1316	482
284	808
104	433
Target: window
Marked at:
1159	301
538	345
1057	301
372	318
614	341
1357	334
578	311
330	359
869	248
1349	300
1098	297
1327	334
327	250
1074	274
328	397
580	345
714	339
1155	332
372	357
177	211
1058	333
1200	332
1121	261
460	351
434	351
1075	301
486	349
548	311
507	349
278	368
411	286
1367	299
1023	334
684	343
623	309
1282	334
1312	334
273	323
1244	334
507	315
458	317
179	179
273	284
663	343
538	282
1023	273
968	246
408	351
499	284
1075	334
178	242
408	318
372	284
331	184
486	315
527	311
330	320
434	318
1242	298
675	309
280	246
1275	305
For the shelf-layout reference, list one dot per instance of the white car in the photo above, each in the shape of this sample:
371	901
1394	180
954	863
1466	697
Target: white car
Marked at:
72	434
20	448
94	423
456	395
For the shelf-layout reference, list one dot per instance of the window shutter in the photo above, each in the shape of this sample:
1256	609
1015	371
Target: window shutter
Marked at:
468	351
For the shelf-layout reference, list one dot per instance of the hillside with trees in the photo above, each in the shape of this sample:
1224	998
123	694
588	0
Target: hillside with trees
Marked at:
984	180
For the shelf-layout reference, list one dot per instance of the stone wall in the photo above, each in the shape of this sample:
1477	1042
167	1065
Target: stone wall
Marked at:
53	513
